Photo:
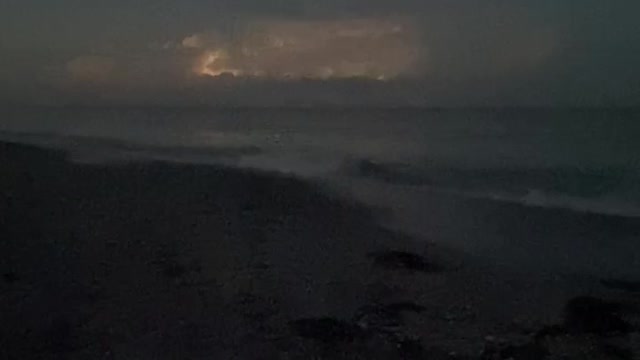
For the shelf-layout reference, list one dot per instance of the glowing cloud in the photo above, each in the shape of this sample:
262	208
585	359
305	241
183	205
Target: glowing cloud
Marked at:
215	63
193	42
370	48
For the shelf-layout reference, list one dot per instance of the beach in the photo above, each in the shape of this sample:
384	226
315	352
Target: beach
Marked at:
164	260
319	180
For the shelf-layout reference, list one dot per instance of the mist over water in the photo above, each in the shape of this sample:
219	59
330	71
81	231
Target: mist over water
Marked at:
525	153
587	162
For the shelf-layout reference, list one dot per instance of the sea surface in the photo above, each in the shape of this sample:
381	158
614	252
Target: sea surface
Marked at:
581	162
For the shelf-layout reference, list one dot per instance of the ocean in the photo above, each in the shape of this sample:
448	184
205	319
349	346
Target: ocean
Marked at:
581	162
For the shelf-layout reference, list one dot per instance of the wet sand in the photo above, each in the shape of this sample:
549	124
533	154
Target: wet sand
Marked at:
154	260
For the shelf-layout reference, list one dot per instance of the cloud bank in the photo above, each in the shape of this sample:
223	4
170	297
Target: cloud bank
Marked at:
372	48
430	52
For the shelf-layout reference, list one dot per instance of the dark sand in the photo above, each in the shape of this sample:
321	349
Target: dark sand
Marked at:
165	261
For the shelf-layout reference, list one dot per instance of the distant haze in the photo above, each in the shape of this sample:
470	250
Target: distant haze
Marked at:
293	52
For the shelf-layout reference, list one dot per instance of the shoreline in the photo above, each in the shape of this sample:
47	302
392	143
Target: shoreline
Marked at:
513	235
164	260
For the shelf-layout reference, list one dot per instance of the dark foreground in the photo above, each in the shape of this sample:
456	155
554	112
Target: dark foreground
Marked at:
166	261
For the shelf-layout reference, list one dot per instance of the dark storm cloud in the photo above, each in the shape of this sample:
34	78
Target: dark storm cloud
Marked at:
480	52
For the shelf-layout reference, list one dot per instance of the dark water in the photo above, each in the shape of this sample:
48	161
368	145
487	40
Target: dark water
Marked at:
586	160
553	190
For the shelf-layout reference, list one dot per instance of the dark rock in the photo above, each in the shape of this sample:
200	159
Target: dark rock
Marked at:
628	286
328	330
404	307
384	317
410	349
187	340
498	350
550	331
404	260
174	270
594	316
255	308
530	351
10	277
617	352
60	338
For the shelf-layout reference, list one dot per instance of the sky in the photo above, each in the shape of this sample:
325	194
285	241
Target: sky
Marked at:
304	52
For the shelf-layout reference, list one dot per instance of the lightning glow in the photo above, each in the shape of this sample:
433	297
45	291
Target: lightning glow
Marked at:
214	63
377	49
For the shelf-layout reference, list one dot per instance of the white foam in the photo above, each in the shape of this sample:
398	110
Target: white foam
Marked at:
607	205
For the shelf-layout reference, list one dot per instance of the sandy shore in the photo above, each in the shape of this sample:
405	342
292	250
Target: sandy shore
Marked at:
154	260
